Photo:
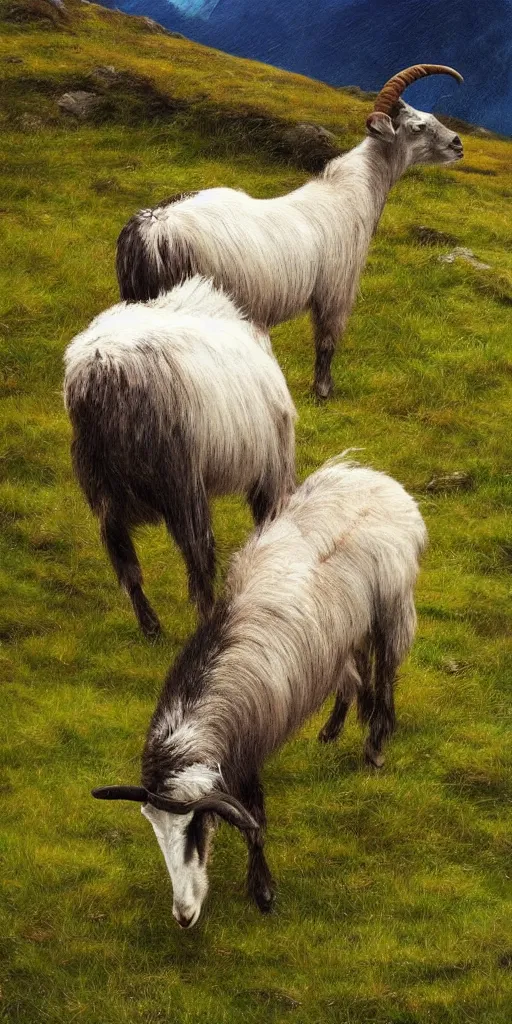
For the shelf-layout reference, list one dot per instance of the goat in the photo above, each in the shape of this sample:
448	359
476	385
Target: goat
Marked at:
305	250
172	401
318	601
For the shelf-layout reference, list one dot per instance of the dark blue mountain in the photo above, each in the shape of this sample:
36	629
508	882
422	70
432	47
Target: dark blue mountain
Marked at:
363	42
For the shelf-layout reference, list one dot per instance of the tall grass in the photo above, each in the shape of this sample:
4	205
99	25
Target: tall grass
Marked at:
394	899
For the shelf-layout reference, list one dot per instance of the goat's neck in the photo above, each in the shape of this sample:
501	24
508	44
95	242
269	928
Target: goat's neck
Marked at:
370	170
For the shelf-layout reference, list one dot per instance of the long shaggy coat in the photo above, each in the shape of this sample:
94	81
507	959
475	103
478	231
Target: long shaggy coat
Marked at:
172	401
319	601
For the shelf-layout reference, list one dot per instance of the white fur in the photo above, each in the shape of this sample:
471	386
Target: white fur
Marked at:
235	399
331	577
306	249
189	879
303	595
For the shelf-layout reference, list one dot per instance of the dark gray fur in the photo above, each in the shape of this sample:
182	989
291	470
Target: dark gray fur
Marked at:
144	274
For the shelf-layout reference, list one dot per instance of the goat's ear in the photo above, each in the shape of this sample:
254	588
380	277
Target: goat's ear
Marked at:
228	808
380	126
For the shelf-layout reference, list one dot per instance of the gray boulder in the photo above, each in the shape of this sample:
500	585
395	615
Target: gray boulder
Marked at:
80	104
309	146
462	253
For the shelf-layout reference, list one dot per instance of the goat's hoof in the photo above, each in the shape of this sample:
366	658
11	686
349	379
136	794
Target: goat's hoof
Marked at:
152	629
327	735
323	389
374	757
264	899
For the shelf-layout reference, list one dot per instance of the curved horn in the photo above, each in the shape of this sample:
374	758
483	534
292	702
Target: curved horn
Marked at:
226	806
229	808
393	89
136	793
143	796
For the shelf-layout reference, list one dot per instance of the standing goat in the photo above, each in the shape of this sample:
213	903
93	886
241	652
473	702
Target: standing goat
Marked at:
305	250
318	601
171	401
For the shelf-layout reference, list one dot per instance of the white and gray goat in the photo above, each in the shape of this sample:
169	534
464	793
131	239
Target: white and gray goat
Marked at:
319	601
172	401
305	250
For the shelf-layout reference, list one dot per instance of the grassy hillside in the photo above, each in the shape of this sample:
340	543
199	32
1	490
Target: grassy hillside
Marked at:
394	889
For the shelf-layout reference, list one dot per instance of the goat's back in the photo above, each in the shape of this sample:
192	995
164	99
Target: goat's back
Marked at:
149	383
266	253
341	515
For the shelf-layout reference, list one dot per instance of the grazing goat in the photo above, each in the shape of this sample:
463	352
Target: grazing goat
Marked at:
305	250
171	401
318	601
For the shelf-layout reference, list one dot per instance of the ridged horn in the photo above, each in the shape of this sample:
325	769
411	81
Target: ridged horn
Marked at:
393	89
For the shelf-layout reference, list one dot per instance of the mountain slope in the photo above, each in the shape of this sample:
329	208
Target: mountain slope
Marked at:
394	898
363	42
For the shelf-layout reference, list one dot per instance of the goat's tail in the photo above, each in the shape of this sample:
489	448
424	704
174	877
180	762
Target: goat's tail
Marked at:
118	436
148	260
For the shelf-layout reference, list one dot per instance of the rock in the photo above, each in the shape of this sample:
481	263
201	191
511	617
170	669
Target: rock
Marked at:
458	481
431	236
106	71
153	26
178	35
37	10
81	104
309	145
105	76
461	253
482	133
360	94
12	60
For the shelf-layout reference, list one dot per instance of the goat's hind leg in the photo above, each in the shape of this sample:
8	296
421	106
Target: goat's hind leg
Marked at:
328	329
189	523
393	638
123	556
260	884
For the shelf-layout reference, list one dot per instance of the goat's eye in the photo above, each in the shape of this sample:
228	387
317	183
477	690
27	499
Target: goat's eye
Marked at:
418	127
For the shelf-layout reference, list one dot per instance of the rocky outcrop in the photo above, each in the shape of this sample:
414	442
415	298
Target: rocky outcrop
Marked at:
80	104
462	253
308	146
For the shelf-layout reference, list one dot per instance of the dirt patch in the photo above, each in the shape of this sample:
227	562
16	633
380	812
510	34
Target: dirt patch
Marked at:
424	235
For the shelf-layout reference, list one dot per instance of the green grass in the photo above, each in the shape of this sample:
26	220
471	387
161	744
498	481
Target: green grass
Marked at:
394	889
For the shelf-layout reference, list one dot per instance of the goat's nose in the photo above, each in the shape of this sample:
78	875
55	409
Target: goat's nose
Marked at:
184	922
456	142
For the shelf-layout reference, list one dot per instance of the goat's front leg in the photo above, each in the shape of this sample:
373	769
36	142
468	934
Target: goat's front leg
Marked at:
334	724
329	325
260	884
355	682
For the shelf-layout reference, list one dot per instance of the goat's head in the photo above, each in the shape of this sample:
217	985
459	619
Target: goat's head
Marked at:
183	832
427	141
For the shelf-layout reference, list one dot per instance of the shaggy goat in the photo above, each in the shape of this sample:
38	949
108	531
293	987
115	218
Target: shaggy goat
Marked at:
171	401
318	601
305	250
